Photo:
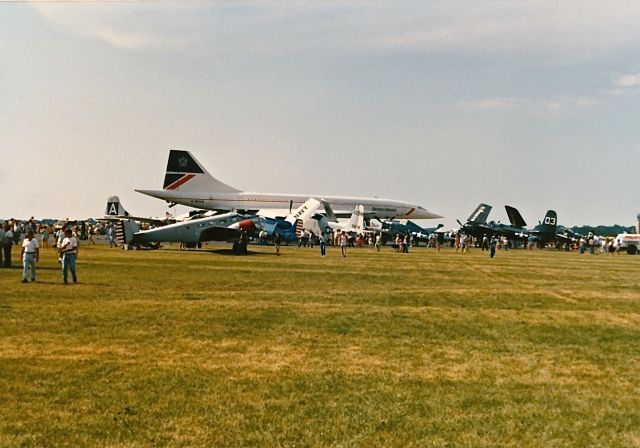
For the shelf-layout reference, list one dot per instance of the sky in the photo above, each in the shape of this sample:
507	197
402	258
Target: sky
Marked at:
443	104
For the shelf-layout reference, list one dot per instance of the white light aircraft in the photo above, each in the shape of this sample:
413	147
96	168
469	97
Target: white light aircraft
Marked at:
187	182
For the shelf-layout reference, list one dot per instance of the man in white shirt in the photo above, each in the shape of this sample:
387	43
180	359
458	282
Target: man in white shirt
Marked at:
69	252
30	254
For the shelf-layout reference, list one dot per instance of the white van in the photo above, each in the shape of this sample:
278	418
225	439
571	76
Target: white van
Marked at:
630	242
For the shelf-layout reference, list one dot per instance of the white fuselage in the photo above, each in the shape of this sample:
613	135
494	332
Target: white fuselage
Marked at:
186	231
248	201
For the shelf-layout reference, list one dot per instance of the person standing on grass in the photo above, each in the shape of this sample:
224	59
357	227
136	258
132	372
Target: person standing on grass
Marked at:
323	244
378	241
343	244
45	237
30	255
111	233
492	247
90	232
277	240
1	243
7	245
69	252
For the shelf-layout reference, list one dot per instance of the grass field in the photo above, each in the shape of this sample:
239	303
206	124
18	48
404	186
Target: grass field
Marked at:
201	348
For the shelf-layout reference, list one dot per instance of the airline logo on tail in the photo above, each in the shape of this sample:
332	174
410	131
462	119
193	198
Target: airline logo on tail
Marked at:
182	168
183	179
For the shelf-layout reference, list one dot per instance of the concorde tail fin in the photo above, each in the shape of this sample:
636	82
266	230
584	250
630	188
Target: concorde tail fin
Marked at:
185	173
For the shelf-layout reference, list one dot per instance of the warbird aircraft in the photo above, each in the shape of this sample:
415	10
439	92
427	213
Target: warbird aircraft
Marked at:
187	182
289	228
478	227
406	227
547	230
476	224
224	227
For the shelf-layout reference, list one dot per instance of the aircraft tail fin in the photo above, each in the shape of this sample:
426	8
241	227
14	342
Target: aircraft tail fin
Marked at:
185	173
331	216
413	227
515	218
356	221
304	212
323	222
115	208
549	223
480	214
125	229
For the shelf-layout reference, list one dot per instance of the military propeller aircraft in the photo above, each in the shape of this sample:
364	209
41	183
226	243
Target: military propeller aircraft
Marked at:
477	225
547	230
223	227
407	227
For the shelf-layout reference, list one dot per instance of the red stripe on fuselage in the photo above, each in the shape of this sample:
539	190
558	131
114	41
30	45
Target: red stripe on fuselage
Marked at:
181	181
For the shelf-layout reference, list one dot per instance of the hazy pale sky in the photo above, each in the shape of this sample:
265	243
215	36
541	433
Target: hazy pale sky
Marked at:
445	104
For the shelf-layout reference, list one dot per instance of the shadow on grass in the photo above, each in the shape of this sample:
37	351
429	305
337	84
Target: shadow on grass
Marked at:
225	251
231	253
61	283
16	267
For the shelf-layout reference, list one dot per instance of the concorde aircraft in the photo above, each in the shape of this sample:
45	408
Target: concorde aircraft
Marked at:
187	182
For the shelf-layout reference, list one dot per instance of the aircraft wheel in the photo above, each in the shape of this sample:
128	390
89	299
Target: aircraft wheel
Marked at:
631	250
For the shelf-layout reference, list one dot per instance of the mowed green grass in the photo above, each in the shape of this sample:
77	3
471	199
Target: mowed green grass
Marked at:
202	348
